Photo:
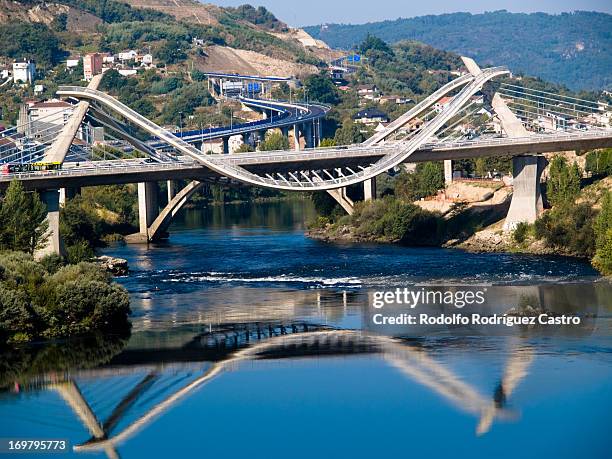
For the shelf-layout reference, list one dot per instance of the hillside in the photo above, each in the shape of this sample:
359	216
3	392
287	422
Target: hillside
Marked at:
570	48
45	32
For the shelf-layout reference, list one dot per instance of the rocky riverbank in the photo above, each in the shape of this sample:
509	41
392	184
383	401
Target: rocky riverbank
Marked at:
113	265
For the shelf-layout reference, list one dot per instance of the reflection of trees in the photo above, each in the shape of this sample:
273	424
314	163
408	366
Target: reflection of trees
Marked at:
24	364
572	298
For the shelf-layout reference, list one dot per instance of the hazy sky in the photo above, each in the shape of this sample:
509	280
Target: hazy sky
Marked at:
312	12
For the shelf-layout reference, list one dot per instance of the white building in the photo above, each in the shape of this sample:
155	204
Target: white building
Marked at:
128	55
72	63
24	72
371	116
127	72
147	60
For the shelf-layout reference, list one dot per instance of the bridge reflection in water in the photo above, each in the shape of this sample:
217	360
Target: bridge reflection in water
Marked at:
229	347
164	369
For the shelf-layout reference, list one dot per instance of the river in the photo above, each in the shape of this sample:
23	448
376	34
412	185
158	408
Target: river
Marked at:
251	340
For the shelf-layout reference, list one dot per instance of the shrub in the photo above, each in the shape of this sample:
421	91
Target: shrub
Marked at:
20	271
17	318
86	306
52	262
391	219
79	252
75	300
603	257
568	227
520	232
86	271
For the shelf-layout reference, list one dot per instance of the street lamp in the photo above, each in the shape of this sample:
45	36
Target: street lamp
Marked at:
181	122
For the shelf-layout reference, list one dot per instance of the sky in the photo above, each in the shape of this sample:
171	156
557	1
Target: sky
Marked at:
312	12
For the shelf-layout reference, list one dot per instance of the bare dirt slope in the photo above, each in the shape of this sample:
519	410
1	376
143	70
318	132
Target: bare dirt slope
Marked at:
317	47
78	20
230	60
190	10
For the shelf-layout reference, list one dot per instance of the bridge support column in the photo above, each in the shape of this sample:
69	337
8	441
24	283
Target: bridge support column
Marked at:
247	139
308	135
448	171
66	194
341	198
148	210
171	190
54	242
261	135
296	137
225	145
527	203
369	189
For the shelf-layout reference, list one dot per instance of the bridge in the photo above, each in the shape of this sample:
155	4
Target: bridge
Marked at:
531	122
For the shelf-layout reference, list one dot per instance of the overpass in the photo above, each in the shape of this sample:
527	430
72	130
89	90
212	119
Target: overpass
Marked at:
333	169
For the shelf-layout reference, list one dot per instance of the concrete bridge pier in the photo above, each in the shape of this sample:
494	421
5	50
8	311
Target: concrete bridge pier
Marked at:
369	189
225	145
51	199
448	171
66	194
527	203
308	135
170	189
148	210
296	137
261	136
342	198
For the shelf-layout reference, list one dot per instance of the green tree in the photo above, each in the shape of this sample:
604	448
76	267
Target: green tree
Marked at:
563	185
373	43
274	141
348	134
25	40
23	224
599	162
245	148
60	22
327	142
425	181
603	236
197	75
171	52
603	256
568	227
320	88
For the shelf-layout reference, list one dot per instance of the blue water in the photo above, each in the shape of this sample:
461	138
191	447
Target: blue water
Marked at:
332	386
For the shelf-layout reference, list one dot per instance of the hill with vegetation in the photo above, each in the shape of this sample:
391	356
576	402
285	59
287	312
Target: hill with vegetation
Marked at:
569	48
